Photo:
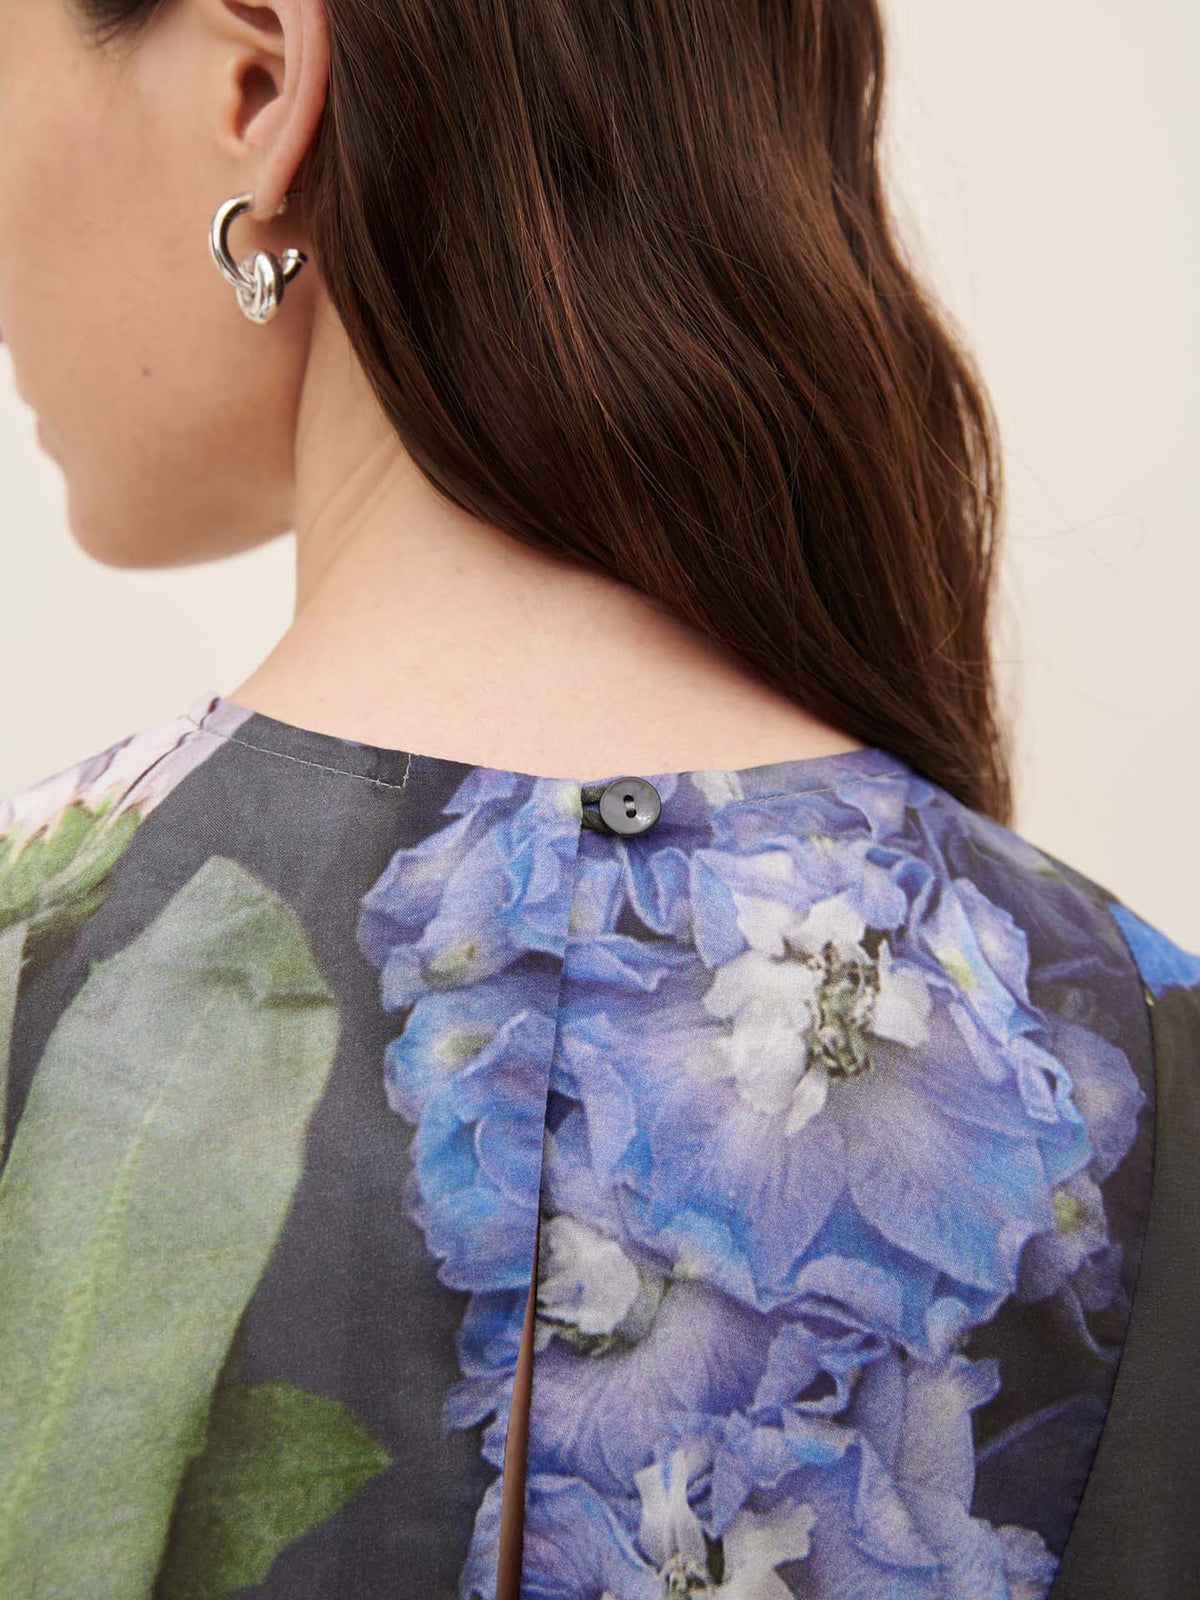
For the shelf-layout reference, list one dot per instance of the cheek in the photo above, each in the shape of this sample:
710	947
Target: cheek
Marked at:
174	416
169	414
60	176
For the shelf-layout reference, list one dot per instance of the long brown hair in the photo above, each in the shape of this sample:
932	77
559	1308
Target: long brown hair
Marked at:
624	279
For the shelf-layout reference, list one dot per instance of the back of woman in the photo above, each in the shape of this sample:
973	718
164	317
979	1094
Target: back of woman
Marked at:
568	1083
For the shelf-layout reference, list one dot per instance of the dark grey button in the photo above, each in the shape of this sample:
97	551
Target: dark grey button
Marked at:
629	805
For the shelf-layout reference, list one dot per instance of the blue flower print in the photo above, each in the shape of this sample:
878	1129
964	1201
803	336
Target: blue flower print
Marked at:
751	1507
474	897
893	1506
682	1348
804	1022
576	1547
707	1357
1077	959
703	1174
919	1019
971	949
1163	963
590	1293
470	1070
1076	1258
820	1107
620	1338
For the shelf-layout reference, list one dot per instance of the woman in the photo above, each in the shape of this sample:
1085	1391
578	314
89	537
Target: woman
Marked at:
759	1200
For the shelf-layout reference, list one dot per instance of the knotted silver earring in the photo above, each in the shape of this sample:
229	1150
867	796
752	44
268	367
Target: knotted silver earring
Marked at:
262	277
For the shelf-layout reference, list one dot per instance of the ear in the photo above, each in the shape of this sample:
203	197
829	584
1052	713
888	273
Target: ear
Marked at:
277	76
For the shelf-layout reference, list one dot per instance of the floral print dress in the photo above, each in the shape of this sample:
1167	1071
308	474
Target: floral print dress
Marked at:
829	1117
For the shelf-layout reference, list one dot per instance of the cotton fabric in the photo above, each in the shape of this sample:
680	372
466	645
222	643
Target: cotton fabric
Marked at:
862	1135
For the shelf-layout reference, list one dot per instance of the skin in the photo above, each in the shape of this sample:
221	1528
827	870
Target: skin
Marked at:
185	433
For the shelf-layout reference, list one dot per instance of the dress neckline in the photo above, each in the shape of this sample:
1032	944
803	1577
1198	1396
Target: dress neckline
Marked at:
216	714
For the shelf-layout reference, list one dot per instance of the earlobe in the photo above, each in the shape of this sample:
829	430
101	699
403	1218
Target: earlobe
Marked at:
260	280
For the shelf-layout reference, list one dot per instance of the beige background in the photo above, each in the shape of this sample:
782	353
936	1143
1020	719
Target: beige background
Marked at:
1043	159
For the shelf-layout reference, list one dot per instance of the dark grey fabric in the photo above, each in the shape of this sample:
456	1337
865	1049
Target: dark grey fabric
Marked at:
1137	1532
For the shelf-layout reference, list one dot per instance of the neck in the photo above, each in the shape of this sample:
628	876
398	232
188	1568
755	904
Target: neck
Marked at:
419	627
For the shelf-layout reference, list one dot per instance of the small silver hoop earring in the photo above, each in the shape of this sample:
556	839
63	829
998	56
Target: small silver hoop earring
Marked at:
262	277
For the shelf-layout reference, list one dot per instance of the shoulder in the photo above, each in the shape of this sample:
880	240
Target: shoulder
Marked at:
1025	944
1158	960
61	835
970	878
135	771
1053	955
1054	900
1163	963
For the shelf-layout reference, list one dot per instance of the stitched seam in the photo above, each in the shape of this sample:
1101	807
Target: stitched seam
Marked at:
383	783
304	761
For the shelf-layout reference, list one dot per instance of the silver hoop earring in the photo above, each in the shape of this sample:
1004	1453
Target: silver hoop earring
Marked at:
262	277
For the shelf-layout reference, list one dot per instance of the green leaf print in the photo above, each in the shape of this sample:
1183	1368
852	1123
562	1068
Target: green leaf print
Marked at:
147	1183
12	953
52	880
56	877
278	1460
